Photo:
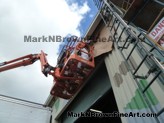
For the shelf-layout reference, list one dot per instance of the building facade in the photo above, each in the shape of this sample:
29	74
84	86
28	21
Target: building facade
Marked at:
128	81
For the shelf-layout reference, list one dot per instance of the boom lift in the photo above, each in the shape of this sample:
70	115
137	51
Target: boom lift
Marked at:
75	64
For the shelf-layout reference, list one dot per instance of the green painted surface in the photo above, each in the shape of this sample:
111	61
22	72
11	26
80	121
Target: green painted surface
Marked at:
149	93
138	102
57	102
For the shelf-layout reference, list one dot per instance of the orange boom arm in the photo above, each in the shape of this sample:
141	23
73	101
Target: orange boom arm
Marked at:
26	60
75	64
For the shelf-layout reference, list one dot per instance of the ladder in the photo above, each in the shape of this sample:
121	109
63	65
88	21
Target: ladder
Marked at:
135	41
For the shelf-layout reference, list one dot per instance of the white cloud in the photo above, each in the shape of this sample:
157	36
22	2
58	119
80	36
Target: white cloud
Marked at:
82	10
91	15
36	18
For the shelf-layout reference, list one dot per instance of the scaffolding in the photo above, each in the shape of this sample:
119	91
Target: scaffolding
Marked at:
134	41
126	4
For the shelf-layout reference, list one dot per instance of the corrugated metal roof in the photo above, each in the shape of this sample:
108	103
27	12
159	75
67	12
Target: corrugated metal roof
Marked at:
128	96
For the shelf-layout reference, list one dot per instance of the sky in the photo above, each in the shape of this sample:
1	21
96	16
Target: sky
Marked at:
37	18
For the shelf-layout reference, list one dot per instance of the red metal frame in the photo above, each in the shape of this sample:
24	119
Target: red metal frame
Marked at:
71	61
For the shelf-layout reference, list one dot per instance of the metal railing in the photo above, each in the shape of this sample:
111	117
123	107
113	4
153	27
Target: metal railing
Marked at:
67	44
126	4
133	43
